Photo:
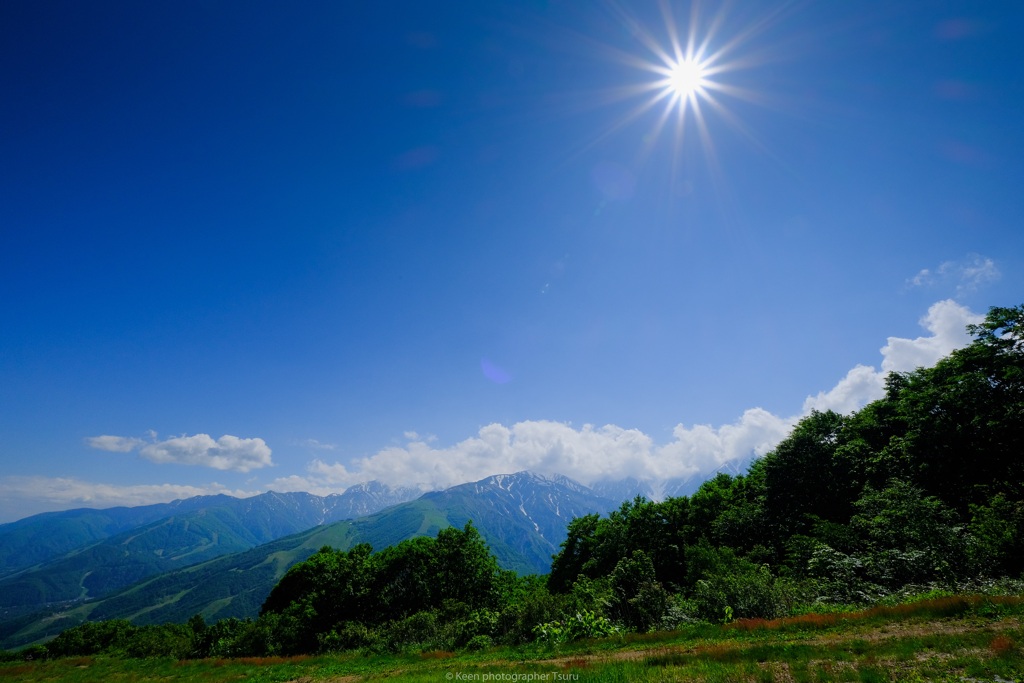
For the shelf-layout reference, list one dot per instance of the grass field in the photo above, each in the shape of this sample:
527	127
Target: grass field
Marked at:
948	639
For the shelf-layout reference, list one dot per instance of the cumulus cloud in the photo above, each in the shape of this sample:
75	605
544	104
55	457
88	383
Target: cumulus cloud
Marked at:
945	320
226	453
964	276
590	454
861	385
22	496
115	444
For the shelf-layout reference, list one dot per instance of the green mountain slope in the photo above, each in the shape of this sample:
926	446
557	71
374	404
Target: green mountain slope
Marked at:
190	531
39	538
522	517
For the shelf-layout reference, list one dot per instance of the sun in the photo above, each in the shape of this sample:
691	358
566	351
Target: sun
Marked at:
687	78
696	71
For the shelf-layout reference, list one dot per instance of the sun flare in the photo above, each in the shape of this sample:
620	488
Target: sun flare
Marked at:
697	70
687	78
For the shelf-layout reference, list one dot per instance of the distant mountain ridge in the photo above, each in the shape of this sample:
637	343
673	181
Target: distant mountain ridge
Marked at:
157	538
33	540
29	541
523	518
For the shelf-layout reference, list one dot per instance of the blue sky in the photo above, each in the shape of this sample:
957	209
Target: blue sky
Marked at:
252	245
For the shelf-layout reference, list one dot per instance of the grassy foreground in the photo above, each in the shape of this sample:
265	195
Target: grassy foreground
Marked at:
964	638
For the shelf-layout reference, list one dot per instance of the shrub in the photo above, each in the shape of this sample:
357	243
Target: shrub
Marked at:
583	625
749	594
92	638
516	622
351	636
420	628
480	642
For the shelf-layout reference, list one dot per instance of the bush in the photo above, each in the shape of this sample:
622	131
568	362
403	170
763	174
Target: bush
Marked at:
481	642
678	612
92	638
34	653
420	629
481	622
840	577
351	636
745	595
167	640
515	623
583	625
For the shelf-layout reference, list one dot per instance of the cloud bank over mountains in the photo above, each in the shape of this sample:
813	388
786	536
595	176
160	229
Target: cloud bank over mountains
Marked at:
591	454
588	453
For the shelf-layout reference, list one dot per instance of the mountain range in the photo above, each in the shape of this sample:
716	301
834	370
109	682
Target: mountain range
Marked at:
220	558
35	540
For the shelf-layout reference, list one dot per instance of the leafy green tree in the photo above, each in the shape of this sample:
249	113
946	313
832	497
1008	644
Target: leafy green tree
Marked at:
638	600
909	537
805	478
999	530
576	551
594	545
465	570
964	418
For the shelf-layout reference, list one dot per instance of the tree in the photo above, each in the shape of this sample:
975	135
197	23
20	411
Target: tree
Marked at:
804	478
638	600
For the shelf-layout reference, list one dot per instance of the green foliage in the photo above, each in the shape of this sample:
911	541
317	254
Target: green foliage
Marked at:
638	600
93	638
752	592
583	624
807	477
998	529
526	608
480	642
921	486
594	546
911	538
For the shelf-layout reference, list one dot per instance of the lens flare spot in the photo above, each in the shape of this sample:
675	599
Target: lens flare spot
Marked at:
494	373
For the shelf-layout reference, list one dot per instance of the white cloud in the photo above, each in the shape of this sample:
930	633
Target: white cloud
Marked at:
115	444
319	445
24	496
977	271
965	276
924	277
946	321
861	385
226	453
590	454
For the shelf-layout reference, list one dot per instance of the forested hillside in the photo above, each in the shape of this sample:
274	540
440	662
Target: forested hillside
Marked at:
924	485
919	491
